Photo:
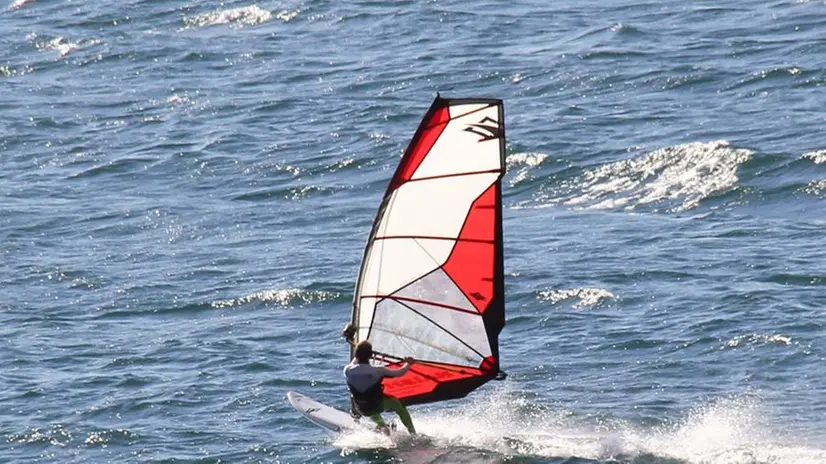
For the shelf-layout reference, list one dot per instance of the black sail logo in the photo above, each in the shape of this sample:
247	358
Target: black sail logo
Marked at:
487	128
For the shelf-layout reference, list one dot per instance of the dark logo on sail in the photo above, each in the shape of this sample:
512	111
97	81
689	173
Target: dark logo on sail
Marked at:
487	128
311	410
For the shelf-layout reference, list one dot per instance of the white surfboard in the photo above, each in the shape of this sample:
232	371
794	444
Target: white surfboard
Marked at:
325	416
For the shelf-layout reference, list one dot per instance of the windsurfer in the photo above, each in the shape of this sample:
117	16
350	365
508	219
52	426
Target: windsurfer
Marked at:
366	390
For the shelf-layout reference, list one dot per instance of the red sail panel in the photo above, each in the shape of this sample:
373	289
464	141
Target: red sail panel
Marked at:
425	382
471	264
430	129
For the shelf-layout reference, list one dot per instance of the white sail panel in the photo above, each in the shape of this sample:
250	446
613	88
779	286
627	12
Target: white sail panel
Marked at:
433	207
367	306
468	327
450	155
394	263
398	329
436	287
461	110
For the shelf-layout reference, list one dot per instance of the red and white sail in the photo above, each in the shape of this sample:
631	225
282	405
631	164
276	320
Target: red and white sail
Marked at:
431	282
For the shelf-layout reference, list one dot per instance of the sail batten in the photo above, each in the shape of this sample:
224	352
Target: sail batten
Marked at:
432	303
431	285
488	171
430	237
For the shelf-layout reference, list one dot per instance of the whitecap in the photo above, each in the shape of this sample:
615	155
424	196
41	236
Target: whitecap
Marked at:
287	16
818	157
586	296
18	4
816	187
521	165
284	297
235	17
682	174
62	45
758	339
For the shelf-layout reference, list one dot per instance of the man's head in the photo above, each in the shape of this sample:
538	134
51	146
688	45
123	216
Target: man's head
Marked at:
364	351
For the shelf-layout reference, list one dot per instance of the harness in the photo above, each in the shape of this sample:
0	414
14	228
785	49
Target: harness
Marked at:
367	402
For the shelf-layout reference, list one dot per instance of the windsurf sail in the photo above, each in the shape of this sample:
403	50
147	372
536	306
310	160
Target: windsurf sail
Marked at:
431	284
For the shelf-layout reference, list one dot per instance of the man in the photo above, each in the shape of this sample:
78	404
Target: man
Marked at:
367	391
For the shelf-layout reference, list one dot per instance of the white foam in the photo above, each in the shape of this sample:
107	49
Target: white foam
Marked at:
522	164
235	17
8	71
685	174
18	4
586	296
758	339
816	187
731	430
287	16
819	157
62	45
283	297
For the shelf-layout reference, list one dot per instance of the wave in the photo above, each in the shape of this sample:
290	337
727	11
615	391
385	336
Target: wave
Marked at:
118	166
585	296
285	298
8	71
62	45
18	4
520	165
59	435
290	193
15	71
758	339
110	437
818	157
287	15
610	55
769	75
681	76
56	435
816	188
299	179
677	177
237	17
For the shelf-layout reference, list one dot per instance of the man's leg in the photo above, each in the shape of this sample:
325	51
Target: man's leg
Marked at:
380	423
376	417
388	403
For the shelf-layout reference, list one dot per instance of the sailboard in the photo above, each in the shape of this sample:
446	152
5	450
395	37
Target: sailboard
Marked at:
431	283
325	416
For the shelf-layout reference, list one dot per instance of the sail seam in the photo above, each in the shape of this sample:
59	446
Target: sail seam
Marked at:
404	339
428	302
455	239
456	174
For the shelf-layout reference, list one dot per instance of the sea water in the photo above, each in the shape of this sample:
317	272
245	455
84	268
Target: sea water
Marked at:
187	188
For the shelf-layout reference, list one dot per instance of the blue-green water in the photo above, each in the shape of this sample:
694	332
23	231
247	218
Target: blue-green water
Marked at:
187	188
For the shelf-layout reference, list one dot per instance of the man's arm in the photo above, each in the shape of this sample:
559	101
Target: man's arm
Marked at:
386	372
